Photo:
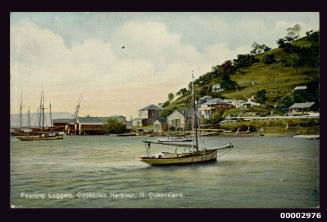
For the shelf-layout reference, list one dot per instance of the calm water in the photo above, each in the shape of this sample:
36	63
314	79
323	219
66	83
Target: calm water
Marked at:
272	172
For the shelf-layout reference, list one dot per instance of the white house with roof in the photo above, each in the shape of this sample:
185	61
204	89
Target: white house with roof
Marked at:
235	102
250	102
301	108
300	88
217	88
216	104
179	119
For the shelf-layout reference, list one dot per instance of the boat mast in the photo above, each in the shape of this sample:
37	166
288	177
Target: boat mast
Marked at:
194	117
42	116
29	118
38	117
50	116
20	111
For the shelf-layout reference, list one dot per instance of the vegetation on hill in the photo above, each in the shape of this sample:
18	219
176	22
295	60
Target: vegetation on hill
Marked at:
269	75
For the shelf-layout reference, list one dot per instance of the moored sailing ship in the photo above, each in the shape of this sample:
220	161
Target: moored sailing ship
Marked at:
196	154
41	133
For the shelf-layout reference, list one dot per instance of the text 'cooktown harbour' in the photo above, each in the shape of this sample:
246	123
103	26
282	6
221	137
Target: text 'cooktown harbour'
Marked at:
111	195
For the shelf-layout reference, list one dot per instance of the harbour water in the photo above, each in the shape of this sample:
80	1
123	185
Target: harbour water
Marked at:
103	172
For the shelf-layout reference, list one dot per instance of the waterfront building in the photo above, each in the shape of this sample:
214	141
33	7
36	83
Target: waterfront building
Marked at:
301	108
206	109
148	114
179	120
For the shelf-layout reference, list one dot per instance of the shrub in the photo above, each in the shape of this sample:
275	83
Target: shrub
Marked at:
115	126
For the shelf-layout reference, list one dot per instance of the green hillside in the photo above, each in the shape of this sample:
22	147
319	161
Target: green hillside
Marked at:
277	71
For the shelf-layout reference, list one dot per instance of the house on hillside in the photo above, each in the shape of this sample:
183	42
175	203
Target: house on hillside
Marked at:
206	109
250	103
235	102
301	108
180	120
217	88
149	114
300	88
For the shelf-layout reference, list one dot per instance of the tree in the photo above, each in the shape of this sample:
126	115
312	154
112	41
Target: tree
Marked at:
286	45
314	36
309	32
227	83
285	102
115	126
269	59
182	92
258	49
300	96
293	32
170	97
204	90
260	96
165	104
227	68
244	61
216	118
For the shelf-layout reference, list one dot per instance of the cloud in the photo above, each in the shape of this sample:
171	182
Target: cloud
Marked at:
115	80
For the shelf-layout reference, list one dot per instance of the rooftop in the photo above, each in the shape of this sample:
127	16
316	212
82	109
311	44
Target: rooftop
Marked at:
63	120
184	112
205	97
300	88
93	119
215	101
98	119
302	105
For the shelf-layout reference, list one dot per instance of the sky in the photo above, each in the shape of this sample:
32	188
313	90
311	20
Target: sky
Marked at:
71	53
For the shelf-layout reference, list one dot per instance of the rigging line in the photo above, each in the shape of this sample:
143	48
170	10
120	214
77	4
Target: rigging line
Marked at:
201	137
227	150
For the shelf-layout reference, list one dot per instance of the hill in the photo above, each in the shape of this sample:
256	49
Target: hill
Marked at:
277	71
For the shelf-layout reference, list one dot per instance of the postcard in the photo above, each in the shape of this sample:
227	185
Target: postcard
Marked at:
165	110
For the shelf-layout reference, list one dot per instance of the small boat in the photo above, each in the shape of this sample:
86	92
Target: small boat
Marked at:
41	137
175	139
174	158
195	153
309	137
127	134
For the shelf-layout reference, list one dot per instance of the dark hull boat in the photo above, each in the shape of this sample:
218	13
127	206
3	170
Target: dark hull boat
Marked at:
40	137
195	153
167	158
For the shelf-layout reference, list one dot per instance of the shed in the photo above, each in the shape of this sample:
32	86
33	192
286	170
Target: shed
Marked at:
301	108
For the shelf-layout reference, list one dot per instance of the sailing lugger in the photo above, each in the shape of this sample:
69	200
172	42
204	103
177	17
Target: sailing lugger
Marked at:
41	133
195	154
